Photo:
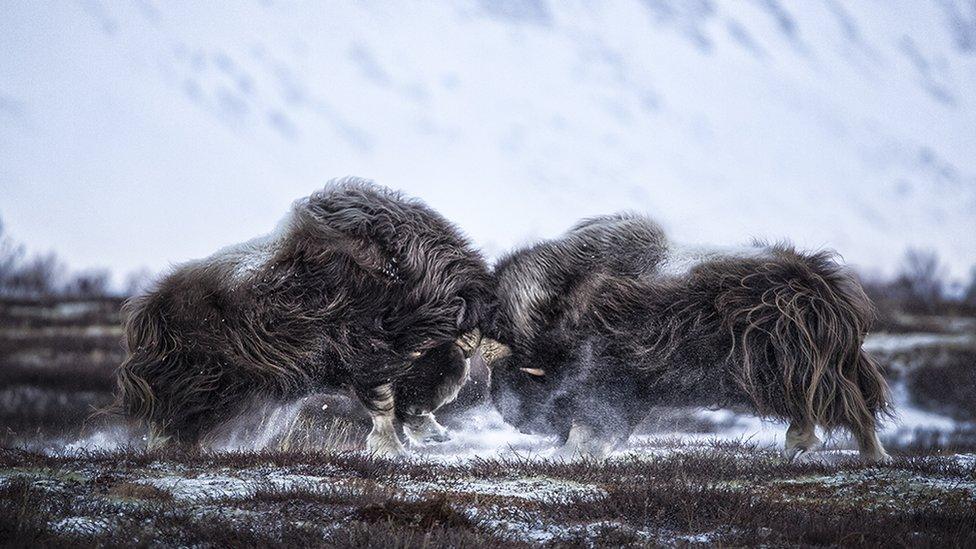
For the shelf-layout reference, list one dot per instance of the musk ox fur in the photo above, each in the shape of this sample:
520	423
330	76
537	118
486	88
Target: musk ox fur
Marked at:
359	287
594	329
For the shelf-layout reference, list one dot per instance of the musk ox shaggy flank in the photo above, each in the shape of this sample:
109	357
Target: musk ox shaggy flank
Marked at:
595	328
359	286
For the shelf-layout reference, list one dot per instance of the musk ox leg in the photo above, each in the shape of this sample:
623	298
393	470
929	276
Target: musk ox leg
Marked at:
604	413
586	442
157	438
801	436
382	439
869	445
423	429
434	380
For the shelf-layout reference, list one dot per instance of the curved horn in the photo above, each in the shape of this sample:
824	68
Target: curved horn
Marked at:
469	341
492	350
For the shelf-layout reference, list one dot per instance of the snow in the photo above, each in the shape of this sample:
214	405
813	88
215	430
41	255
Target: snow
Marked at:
908	417
101	440
893	484
241	484
895	343
966	460
531	488
518	525
682	257
272	420
181	127
81	525
707	537
535	531
204	487
484	434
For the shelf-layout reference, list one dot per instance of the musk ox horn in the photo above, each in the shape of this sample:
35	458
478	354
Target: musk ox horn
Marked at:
492	350
538	372
469	342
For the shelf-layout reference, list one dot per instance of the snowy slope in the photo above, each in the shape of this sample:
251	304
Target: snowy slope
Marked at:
150	132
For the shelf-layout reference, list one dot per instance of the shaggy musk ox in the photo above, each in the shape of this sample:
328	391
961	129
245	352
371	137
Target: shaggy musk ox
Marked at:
358	286
593	329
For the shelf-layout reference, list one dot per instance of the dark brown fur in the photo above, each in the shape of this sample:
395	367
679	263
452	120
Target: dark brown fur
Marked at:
359	283
775	330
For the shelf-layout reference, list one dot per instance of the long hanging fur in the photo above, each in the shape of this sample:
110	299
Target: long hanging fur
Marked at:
354	286
786	329
767	328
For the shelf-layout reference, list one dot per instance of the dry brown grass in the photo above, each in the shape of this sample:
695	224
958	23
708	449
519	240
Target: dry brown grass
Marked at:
129	490
727	495
668	494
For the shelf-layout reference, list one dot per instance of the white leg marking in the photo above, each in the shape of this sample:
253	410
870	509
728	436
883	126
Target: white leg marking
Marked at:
871	449
156	439
583	441
423	429
382	439
800	438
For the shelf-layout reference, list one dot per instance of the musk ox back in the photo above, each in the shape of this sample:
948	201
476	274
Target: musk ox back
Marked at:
767	328
359	286
541	285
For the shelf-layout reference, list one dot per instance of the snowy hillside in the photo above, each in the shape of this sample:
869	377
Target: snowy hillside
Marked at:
149	132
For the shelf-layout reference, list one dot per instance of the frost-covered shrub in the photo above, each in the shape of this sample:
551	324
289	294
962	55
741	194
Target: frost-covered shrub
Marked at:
946	383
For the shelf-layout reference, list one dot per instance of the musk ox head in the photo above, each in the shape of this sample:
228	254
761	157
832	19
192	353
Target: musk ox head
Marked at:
543	292
528	390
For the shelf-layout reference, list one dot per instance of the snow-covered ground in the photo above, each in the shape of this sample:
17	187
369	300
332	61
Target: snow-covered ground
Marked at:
667	496
151	132
718	480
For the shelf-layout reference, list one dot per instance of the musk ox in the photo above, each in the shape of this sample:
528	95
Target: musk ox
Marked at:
358	286
593	329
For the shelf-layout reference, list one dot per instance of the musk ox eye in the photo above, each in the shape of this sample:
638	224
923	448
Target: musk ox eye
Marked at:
537	372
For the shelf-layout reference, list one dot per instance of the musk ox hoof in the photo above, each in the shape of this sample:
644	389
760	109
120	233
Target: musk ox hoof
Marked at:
431	438
794	453
790	454
806	455
801	437
384	447
423	429
383	442
571	453
583	442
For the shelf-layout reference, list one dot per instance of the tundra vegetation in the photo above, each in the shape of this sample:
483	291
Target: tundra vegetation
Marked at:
686	478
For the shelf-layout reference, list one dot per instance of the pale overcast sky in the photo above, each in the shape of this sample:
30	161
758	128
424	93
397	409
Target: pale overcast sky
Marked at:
146	133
